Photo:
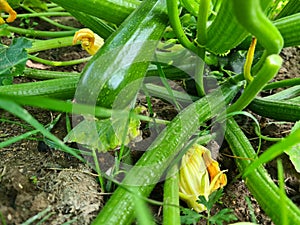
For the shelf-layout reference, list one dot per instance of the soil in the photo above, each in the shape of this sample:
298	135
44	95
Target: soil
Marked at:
37	181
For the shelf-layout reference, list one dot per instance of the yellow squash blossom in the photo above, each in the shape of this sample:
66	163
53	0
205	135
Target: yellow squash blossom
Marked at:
199	175
90	41
4	6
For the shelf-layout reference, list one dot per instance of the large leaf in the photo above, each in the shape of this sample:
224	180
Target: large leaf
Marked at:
109	133
13	59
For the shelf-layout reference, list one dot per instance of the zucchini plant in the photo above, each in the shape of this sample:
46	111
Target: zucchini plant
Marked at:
137	36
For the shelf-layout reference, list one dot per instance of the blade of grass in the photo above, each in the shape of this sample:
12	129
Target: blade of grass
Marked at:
275	150
18	111
17	138
37	216
283	207
70	107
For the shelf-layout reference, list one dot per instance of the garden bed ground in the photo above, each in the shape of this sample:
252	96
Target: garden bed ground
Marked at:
36	178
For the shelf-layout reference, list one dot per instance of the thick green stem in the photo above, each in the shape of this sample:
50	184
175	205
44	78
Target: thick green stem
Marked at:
204	7
47	74
171	210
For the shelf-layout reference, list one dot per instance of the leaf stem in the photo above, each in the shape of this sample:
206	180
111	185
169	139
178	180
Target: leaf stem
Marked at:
38	14
34	33
54	23
173	14
204	6
59	63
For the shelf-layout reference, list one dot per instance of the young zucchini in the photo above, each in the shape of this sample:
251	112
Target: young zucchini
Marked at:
142	178
124	58
266	73
259	182
279	110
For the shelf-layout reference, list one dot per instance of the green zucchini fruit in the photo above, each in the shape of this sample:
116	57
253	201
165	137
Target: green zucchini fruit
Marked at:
289	27
124	58
279	110
292	7
142	178
285	94
226	32
269	69
114	11
282	83
63	88
259	182
251	16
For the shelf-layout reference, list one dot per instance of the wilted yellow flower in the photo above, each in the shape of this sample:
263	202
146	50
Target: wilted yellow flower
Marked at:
4	6
90	41
199	175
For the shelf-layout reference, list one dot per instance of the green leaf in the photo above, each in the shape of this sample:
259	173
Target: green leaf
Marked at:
225	215
294	153
274	151
105	134
189	216
13	59
212	199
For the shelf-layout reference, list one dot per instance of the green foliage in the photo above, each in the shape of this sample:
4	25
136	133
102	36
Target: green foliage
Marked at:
189	216
224	215
13	59
212	199
109	133
226	28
